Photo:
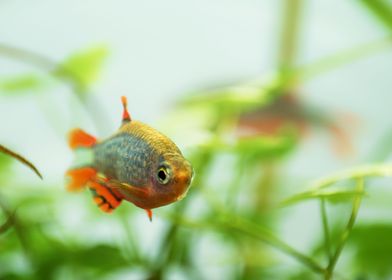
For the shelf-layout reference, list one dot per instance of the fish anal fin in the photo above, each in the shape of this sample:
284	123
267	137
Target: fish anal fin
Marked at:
79	177
105	198
78	138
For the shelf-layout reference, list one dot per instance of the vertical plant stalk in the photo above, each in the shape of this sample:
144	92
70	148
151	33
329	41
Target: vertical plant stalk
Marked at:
327	238
14	220
132	247
233	188
290	29
265	188
347	231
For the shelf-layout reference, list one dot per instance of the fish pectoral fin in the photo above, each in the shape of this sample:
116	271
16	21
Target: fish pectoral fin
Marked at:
106	199
139	192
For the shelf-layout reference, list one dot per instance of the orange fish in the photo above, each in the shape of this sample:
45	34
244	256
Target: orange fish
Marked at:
288	109
137	164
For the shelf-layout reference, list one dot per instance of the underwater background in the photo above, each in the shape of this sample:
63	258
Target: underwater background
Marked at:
283	108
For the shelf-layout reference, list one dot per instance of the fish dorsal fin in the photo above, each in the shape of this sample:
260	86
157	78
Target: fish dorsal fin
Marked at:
126	118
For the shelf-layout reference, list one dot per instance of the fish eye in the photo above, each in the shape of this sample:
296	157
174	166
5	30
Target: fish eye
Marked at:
163	175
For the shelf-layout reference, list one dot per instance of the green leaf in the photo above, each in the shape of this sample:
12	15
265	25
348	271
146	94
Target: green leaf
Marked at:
318	189
240	97
266	147
382	10
254	148
373	248
21	83
5	162
101	257
332	194
374	170
83	68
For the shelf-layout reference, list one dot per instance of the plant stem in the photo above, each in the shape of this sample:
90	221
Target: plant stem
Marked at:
133	249
264	188
347	231
29	57
289	39
324	218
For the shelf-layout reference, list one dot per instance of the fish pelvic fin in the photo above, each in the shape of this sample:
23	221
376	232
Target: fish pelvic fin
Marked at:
149	214
79	177
106	198
77	138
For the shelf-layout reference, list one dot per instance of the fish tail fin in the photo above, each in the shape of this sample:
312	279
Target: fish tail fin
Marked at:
77	138
106	198
81	142
79	177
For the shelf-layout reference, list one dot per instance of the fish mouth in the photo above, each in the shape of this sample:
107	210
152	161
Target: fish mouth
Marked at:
184	179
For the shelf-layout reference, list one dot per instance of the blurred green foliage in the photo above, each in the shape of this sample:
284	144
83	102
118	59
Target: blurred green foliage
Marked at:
242	213
21	84
372	247
82	68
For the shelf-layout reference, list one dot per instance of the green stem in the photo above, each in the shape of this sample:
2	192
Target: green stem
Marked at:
133	249
324	218
289	39
29	57
233	188
347	231
264	188
20	232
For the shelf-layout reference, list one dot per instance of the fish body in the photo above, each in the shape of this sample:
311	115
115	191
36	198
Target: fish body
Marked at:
137	164
289	110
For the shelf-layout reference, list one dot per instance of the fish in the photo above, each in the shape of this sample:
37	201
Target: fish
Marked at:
137	164
290	110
